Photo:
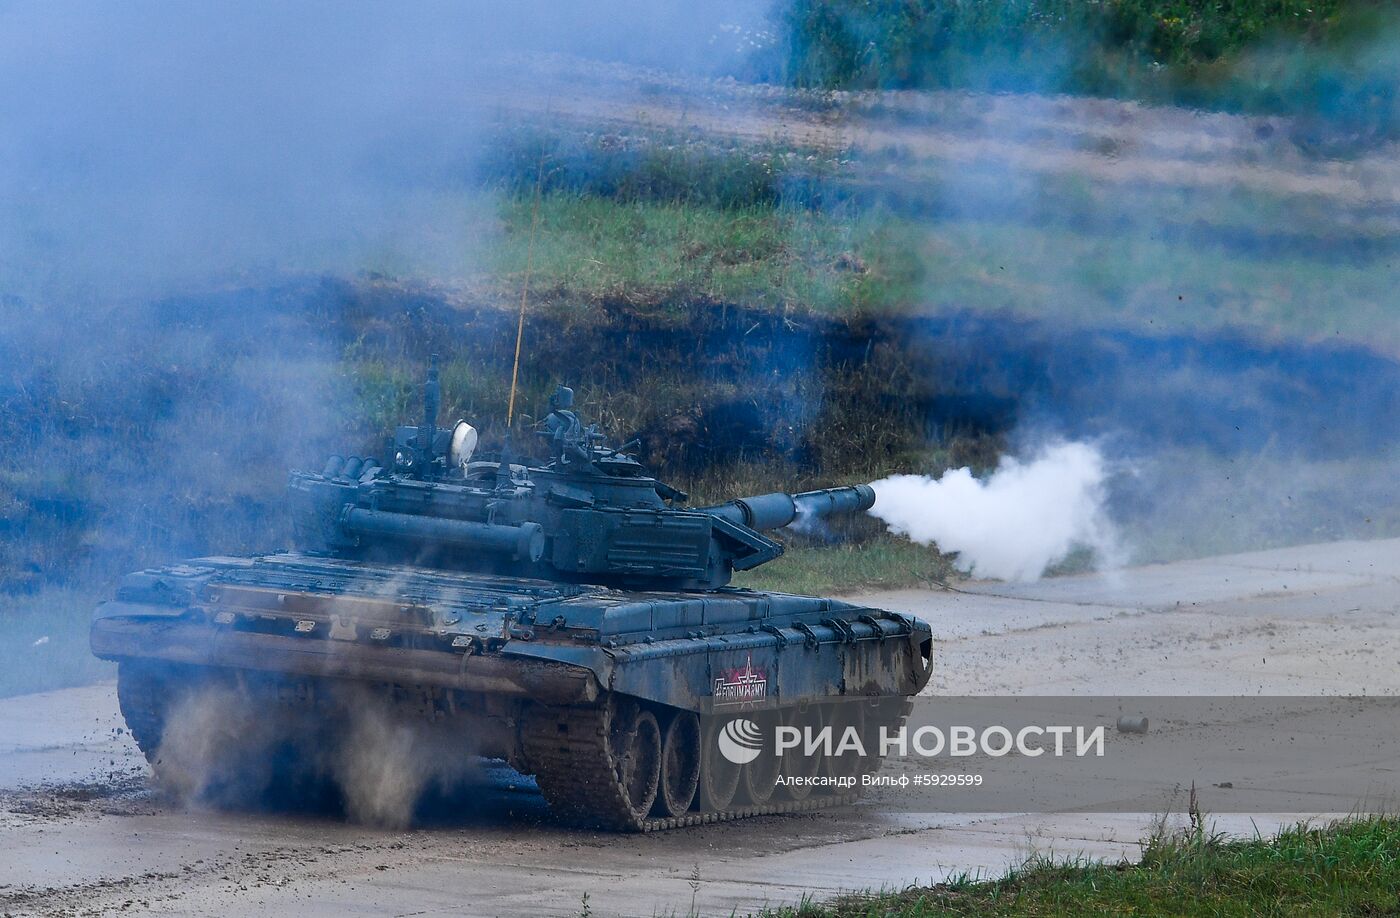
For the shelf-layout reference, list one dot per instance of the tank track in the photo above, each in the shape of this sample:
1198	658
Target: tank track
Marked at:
567	749
573	765
142	698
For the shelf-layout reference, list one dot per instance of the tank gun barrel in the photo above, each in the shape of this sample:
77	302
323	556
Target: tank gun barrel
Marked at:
778	509
830	501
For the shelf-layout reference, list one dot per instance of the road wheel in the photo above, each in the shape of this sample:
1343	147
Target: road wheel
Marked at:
845	716
143	697
680	765
635	743
886	713
796	763
147	693
719	777
760	776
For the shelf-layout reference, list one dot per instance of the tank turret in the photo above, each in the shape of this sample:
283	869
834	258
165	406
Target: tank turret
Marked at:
588	513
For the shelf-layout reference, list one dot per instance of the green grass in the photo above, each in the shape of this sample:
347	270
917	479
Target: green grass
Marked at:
1136	280
1348	868
659	255
888	234
671	166
884	562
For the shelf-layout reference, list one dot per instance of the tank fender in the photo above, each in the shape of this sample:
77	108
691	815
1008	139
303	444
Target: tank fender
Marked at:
594	659
146	631
871	653
116	608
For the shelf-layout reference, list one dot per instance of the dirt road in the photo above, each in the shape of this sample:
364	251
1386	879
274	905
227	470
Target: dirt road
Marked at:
83	834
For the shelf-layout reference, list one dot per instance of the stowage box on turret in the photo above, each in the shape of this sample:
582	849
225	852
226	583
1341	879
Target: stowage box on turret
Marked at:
569	617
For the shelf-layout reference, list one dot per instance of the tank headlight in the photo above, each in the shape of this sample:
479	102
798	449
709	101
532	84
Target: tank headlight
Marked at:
403	459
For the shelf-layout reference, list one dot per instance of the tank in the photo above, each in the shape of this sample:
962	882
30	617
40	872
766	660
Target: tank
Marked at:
571	616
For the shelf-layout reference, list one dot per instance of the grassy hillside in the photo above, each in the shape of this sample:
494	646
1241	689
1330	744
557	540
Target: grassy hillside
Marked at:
654	223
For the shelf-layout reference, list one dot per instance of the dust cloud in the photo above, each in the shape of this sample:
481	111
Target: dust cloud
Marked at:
1015	523
354	754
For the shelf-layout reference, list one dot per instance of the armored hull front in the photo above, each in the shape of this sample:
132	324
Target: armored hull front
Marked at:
612	698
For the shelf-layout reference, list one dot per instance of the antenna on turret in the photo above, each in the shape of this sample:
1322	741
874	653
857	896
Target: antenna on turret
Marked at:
432	397
525	292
